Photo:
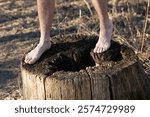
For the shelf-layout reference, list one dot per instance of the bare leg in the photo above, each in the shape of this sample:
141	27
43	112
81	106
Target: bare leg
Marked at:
106	26
45	12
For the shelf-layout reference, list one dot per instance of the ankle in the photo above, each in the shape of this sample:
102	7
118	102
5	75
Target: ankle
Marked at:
105	25
45	41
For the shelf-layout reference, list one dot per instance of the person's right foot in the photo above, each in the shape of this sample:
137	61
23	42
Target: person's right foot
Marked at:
36	53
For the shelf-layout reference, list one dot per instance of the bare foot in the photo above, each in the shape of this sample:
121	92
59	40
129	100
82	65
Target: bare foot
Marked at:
36	53
104	39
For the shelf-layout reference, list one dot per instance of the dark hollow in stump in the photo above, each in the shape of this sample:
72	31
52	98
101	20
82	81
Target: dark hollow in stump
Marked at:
70	70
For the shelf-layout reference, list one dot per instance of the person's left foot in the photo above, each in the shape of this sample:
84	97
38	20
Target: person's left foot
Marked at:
103	43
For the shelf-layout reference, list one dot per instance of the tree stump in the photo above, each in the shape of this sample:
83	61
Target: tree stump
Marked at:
70	70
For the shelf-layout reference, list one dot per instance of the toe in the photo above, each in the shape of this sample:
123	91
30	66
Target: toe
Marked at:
31	61
34	59
28	60
98	49
95	50
101	50
106	48
26	57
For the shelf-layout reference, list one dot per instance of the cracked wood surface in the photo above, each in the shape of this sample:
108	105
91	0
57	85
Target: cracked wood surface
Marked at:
68	71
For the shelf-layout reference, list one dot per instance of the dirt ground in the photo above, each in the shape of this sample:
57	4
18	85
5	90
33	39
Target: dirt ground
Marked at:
19	31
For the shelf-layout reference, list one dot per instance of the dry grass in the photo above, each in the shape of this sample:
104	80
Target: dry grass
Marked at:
137	37
145	25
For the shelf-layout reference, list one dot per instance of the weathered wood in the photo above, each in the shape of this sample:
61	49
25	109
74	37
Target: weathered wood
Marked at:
68	71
